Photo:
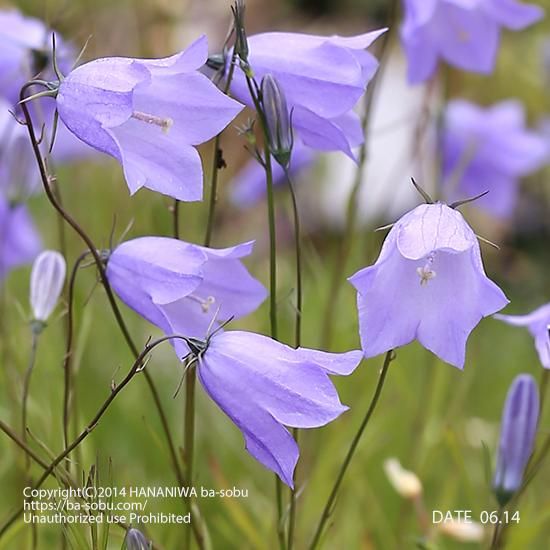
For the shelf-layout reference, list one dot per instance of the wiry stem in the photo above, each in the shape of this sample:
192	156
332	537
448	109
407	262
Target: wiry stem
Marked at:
26	387
327	511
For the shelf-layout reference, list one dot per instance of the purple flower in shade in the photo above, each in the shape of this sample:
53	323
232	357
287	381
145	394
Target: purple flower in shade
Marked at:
537	322
263	386
181	287
249	185
322	79
149	115
427	284
489	150
19	240
517	436
464	33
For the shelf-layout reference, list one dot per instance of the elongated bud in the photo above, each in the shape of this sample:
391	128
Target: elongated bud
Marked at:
241	41
47	277
279	127
406	483
517	436
135	540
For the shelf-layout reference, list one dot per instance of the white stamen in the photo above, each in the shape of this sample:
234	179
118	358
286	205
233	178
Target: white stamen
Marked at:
164	123
426	273
205	303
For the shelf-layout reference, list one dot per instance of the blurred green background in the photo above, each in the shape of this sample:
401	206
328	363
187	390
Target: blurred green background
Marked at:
431	416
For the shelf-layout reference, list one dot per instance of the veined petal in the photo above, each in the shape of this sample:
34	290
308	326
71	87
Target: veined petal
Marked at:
513	14
191	59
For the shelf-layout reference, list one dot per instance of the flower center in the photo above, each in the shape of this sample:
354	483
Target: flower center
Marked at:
205	303
164	123
426	273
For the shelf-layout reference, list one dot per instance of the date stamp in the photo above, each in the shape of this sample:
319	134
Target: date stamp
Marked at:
485	517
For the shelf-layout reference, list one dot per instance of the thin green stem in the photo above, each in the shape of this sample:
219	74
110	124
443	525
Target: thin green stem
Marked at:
176	218
327	511
26	388
189	437
497	532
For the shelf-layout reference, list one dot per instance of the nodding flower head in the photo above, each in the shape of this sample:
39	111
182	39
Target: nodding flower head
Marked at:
149	114
136	540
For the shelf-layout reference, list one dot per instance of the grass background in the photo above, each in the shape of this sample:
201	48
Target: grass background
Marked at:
428	411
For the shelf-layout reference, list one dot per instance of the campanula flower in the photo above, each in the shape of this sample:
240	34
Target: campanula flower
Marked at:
517	436
136	540
47	278
464	33
263	386
322	78
149	115
537	322
19	240
489	150
181	287
249	187
428	284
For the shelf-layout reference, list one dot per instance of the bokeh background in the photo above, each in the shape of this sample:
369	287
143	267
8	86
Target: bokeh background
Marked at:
433	417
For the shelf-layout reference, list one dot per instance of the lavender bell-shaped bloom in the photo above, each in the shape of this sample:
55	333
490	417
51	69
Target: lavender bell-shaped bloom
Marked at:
136	540
149	115
19	240
464	33
181	287
517	436
538	323
427	284
47	279
322	78
263	386
489	150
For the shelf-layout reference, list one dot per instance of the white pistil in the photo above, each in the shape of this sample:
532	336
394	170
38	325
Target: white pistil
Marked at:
426	273
164	123
205	303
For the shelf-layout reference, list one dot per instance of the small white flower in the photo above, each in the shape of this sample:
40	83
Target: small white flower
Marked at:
47	278
406	483
463	531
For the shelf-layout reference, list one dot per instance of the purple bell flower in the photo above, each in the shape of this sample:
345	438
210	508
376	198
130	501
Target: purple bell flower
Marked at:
149	115
464	33
181	287
263	386
19	240
322	78
489	150
428	284
517	436
47	279
136	540
537	322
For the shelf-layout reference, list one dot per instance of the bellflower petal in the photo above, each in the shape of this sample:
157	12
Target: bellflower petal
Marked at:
180	287
19	240
427	284
517	436
464	33
47	279
489	150
149	115
537	323
263	386
321	77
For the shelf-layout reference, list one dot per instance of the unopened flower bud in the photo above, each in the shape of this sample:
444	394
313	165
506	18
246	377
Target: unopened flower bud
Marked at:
241	41
406	483
135	540
47	278
279	127
517	436
463	531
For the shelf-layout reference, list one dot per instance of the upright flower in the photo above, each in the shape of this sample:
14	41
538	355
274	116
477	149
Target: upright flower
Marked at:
263	386
322	79
464	33
538	323
19	240
149	115
47	278
489	150
517	436
182	287
427	284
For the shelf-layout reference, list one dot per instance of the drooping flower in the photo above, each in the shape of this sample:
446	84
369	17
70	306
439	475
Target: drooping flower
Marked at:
19	240
47	278
517	436
181	287
537	322
149	115
263	386
249	187
427	284
489	150
464	33
136	540
322	79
